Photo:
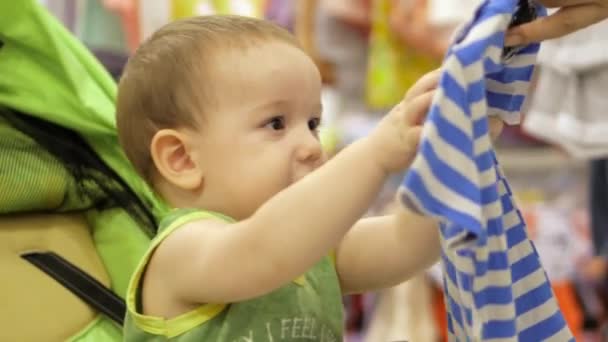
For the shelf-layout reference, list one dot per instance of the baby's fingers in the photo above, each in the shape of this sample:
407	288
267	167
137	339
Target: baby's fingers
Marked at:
423	85
416	109
413	136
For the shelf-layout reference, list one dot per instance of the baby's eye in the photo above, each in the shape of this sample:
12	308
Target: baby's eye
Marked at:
277	123
314	123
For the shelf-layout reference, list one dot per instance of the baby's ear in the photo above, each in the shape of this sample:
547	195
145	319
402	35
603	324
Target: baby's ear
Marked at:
171	153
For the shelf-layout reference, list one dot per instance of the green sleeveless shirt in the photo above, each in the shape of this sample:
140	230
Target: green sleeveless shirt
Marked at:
307	309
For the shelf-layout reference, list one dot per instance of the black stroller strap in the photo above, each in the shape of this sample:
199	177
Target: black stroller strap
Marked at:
80	284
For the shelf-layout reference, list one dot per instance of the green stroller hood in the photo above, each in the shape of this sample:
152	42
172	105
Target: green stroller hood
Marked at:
47	73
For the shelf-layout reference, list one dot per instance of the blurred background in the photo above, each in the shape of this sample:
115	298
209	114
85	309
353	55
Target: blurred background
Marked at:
369	53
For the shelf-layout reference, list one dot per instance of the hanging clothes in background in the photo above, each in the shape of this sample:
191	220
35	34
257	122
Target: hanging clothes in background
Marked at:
599	206
186	8
98	28
109	25
552	227
392	66
446	16
449	13
105	34
404	313
101	30
340	36
90	21
409	20
494	283
569	105
129	18
281	12
595	299
64	10
112	29
154	14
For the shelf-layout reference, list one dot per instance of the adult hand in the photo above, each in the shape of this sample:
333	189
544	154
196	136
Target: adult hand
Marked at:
573	15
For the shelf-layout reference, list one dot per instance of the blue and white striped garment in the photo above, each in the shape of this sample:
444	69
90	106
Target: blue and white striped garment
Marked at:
495	286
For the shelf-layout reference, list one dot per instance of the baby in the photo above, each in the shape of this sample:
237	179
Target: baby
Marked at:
220	114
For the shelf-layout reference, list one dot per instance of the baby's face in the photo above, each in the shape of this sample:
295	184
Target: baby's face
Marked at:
263	136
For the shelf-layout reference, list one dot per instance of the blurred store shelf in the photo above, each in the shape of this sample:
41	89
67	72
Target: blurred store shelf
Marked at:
536	159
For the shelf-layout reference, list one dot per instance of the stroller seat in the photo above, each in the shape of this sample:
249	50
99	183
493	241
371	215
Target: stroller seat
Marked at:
32	295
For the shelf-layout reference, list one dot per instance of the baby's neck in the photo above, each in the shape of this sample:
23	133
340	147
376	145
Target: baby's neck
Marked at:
175	197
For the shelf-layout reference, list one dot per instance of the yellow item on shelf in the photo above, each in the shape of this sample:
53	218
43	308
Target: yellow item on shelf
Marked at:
392	67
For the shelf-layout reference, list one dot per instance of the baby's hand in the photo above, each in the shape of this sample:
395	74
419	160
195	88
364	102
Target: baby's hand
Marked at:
395	140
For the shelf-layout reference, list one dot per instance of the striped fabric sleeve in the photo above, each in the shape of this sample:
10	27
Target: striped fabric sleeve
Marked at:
495	286
454	175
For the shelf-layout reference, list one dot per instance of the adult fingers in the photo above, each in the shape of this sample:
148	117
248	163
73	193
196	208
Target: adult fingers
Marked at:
564	21
564	3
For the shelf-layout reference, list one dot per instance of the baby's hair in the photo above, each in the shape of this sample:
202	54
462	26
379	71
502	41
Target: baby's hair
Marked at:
166	83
